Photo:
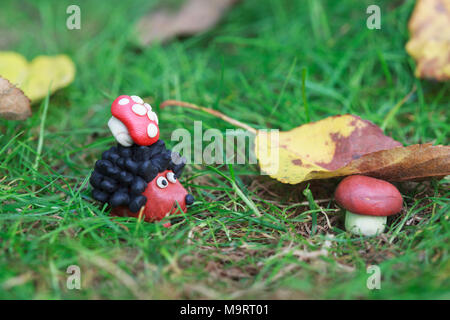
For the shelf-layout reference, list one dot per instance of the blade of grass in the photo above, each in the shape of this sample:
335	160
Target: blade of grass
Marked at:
391	114
305	101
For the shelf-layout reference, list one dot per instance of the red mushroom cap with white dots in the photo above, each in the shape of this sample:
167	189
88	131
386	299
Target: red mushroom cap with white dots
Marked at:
133	121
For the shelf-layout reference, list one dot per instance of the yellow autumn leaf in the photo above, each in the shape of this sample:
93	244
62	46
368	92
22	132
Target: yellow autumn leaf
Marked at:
14	67
35	78
315	150
429	45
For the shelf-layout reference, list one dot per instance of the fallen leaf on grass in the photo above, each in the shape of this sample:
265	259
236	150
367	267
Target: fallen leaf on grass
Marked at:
14	105
415	162
308	151
193	17
13	66
339	146
363	155
430	39
35	78
345	145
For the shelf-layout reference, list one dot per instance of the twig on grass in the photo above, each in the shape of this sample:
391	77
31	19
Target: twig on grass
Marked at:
210	111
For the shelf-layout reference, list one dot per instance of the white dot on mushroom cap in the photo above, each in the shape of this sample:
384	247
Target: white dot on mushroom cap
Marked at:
123	101
152	116
152	130
137	99
149	107
139	109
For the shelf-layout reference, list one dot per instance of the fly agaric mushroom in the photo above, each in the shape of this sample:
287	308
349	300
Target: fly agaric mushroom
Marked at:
368	202
133	121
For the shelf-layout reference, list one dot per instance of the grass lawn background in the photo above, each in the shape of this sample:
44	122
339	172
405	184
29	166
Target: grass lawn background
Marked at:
248	67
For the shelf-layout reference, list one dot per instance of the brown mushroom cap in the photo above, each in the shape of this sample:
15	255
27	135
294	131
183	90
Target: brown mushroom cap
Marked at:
368	196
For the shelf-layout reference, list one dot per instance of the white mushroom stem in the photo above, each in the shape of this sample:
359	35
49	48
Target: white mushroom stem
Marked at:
364	225
120	132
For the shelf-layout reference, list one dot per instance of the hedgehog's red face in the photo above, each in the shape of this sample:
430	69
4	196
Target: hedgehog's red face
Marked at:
165	196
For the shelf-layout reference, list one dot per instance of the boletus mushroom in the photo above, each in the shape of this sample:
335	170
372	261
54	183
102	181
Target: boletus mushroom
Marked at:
368	202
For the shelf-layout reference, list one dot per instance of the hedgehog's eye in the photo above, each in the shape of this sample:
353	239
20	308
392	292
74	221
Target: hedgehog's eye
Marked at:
171	177
161	182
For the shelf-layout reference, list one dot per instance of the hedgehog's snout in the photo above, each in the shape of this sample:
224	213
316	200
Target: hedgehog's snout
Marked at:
189	199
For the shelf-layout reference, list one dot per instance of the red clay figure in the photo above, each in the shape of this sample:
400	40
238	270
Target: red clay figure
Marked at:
139	175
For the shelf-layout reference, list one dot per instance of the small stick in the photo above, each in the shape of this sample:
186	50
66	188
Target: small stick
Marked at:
210	111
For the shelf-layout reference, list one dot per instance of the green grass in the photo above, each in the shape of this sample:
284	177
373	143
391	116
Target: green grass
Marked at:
251	67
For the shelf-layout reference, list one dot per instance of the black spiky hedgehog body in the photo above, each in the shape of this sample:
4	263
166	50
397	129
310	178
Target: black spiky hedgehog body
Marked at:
121	176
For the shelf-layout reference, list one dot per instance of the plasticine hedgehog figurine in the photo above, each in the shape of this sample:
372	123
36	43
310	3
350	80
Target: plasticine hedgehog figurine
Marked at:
139	174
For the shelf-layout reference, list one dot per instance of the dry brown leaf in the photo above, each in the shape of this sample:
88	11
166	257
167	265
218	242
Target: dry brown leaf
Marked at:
339	146
430	39
415	162
14	105
193	17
